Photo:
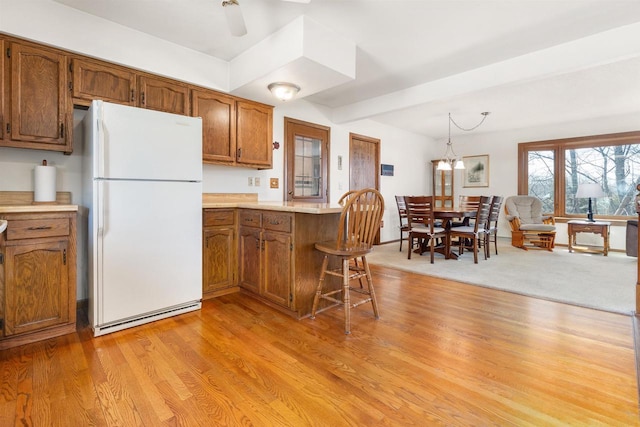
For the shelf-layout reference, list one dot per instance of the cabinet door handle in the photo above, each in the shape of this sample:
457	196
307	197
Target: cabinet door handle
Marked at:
64	257
42	227
239	152
133	95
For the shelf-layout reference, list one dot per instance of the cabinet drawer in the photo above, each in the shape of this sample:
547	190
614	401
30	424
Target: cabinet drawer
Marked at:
37	228
277	222
216	217
588	228
250	218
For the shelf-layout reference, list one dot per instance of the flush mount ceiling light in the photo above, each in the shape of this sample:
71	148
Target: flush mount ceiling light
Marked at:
450	160
283	91
235	21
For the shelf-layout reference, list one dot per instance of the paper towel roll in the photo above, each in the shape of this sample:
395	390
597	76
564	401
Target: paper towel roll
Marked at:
44	184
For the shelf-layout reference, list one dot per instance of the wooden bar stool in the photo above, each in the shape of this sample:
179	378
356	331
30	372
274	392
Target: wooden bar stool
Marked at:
359	223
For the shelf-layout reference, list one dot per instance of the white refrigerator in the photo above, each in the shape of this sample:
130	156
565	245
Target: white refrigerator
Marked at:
143	186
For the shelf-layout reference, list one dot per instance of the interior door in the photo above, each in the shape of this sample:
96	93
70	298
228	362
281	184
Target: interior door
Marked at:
307	161
364	164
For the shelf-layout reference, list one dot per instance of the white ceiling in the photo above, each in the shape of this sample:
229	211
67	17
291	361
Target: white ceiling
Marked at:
529	62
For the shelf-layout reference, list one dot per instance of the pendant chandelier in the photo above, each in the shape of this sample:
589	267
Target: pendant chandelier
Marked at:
450	161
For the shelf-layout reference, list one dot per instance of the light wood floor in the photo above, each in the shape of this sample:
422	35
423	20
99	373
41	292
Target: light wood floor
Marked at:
442	353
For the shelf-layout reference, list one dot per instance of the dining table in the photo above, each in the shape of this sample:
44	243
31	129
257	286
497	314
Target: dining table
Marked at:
447	215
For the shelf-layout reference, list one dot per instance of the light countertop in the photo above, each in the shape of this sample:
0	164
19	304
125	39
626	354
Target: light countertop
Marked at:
296	207
38	208
22	202
250	201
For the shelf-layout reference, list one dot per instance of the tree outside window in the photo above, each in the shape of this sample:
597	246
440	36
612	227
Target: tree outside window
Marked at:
552	171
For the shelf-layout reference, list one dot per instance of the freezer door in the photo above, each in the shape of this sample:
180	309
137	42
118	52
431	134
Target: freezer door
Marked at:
148	248
135	143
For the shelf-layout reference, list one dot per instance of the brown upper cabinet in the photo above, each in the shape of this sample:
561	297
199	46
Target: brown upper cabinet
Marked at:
254	146
97	80
111	83
40	85
163	95
37	114
218	112
2	91
234	131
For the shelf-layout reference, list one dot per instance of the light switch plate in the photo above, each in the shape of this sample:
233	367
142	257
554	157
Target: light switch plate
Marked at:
256	181
250	181
273	183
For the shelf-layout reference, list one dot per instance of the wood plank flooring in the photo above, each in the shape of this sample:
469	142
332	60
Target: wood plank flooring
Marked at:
443	353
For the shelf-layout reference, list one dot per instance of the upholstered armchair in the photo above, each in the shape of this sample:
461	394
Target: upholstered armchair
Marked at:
529	227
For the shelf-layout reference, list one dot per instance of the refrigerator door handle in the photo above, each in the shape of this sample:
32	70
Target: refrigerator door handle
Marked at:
102	220
102	142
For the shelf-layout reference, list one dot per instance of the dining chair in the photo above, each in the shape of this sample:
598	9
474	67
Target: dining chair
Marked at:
492	224
404	223
475	233
466	203
359	224
422	224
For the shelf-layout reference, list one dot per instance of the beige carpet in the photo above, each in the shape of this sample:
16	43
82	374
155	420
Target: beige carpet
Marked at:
587	280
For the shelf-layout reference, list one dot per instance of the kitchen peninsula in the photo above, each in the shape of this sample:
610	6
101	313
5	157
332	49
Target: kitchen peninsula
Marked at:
265	249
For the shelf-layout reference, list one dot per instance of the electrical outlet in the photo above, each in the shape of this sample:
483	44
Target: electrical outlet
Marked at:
250	181
256	181
273	183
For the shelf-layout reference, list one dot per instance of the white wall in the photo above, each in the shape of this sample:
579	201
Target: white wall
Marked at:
502	148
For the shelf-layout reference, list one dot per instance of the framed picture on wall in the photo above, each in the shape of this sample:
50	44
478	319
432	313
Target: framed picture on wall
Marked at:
386	170
476	171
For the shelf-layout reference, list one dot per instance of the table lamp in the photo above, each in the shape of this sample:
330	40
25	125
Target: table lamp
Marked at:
590	191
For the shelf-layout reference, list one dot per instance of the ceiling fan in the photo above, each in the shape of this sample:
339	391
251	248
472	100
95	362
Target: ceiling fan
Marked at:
235	21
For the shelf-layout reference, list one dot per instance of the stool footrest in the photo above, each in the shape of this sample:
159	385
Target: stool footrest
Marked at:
338	273
320	310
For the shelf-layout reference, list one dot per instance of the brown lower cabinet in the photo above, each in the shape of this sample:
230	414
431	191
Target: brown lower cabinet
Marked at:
219	252
277	261
37	277
266	254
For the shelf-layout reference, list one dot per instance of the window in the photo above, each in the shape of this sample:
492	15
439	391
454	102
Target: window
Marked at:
552	171
307	162
307	153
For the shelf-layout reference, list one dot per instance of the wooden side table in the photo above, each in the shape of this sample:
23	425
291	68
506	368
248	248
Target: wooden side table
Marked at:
597	227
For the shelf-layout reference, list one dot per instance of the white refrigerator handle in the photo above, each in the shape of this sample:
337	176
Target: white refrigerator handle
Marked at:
102	212
102	141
